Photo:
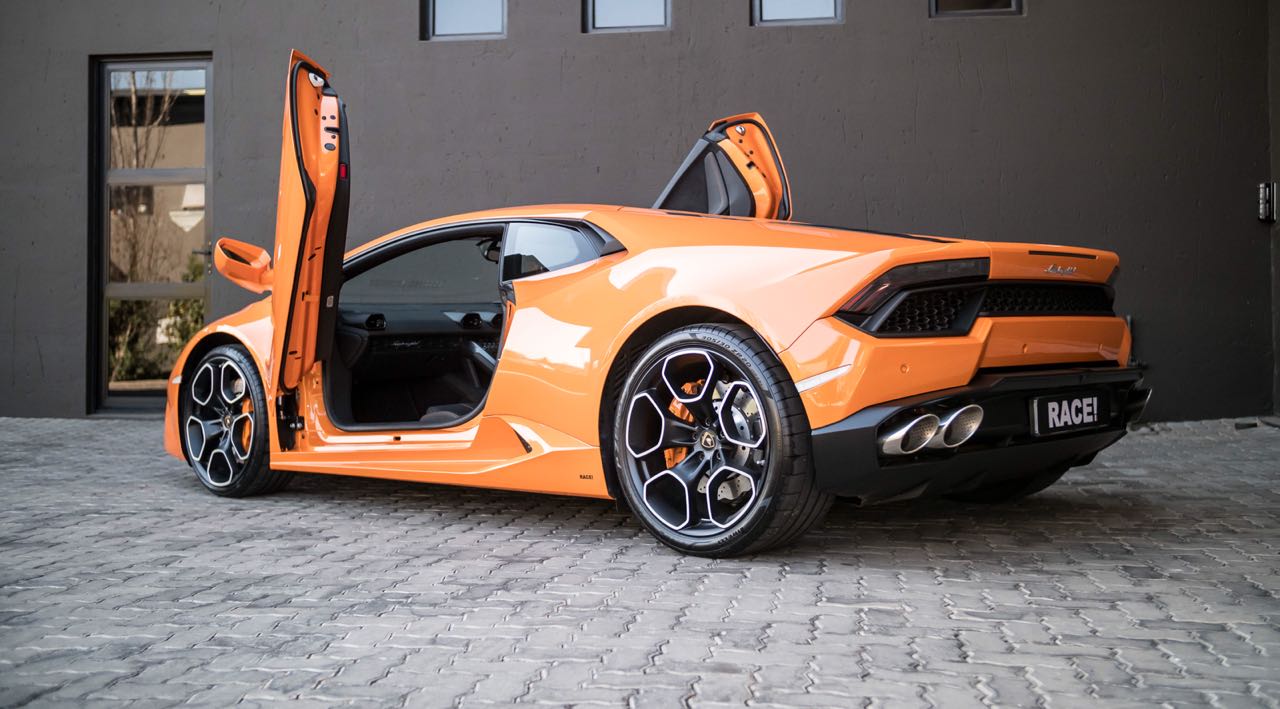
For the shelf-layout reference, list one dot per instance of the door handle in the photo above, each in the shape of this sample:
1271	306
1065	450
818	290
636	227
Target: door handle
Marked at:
207	254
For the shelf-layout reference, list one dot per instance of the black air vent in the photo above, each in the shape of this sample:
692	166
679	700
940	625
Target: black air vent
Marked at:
926	311
1047	299
951	310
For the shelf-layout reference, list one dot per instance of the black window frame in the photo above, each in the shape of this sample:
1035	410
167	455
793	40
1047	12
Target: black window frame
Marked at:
600	240
427	25
1017	9
757	17
97	397
589	15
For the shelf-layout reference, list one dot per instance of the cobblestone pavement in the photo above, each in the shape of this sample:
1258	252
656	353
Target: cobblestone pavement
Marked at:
1150	577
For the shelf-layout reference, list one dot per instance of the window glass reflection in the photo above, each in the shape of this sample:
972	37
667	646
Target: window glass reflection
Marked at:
467	17
143	341
609	14
156	119
782	10
153	230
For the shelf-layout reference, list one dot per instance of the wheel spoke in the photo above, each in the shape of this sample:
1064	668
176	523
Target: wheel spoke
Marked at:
740	416
652	428
690	469
199	435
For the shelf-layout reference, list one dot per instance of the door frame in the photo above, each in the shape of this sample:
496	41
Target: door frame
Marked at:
100	182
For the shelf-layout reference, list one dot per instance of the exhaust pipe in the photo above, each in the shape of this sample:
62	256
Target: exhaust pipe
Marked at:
957	427
910	438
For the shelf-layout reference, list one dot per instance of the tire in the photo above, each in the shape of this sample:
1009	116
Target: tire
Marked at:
1011	490
222	409
720	470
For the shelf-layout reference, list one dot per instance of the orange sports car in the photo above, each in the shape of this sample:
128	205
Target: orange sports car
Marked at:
721	369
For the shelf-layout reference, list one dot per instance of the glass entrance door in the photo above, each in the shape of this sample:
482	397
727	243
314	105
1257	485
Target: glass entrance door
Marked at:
154	226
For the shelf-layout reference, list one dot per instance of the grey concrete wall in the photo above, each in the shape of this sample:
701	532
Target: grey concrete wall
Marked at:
1139	126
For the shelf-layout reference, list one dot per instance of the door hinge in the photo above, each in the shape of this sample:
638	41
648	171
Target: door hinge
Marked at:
1267	202
287	419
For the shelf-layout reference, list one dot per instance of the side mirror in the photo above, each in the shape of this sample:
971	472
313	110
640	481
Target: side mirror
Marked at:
490	249
246	265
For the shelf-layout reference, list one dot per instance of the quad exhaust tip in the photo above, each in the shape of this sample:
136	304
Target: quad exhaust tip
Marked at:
957	427
951	430
912	437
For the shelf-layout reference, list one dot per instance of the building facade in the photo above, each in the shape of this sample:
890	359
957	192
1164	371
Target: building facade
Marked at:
137	133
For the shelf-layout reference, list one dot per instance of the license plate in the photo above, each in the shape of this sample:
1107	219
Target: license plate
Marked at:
1063	413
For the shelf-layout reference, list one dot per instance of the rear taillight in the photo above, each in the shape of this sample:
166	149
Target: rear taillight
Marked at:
869	299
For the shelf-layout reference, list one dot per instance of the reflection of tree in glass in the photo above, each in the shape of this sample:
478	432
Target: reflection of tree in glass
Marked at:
144	334
186	317
139	123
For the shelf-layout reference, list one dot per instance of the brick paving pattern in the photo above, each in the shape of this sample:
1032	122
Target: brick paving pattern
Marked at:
1150	577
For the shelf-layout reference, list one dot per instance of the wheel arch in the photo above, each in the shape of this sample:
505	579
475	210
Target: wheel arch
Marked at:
201	346
640	338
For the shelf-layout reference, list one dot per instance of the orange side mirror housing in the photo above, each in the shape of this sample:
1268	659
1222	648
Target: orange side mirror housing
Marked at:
246	265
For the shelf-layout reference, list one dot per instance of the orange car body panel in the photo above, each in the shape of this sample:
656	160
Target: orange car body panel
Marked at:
539	428
749	145
783	279
308	173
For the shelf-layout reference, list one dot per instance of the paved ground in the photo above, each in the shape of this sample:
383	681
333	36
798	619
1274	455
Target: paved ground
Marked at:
1150	577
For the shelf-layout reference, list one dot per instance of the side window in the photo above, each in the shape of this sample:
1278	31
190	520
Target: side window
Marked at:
451	272
537	248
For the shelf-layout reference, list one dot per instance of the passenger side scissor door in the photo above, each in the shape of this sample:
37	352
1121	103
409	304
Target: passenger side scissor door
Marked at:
734	170
311	223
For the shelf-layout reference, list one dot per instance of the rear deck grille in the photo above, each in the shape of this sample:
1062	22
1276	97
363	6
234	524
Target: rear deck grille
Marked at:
1047	299
951	310
926	311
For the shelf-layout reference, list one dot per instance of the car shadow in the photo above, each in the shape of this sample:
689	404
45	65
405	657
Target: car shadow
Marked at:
1070	521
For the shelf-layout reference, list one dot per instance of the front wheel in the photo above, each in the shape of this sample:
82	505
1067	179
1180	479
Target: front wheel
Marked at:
712	445
223	416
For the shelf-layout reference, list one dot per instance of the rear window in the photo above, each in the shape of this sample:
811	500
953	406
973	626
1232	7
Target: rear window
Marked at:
538	248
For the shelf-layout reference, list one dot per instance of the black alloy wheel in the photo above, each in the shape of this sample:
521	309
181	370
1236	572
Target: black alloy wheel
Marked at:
712	443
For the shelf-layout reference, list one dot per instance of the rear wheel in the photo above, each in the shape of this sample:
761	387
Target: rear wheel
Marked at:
223	415
1011	490
712	444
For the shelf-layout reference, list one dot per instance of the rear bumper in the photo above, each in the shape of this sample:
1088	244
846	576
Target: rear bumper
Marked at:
847	460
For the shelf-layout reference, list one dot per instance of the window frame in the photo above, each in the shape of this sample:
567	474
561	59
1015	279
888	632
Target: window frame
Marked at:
370	257
427	25
1017	9
102	178
757	17
589	15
